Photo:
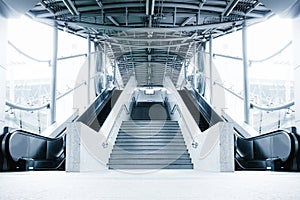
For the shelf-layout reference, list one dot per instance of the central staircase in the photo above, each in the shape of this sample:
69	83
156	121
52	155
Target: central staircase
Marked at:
150	144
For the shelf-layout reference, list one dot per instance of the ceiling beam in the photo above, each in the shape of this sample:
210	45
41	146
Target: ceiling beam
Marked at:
47	7
187	20
147	7
229	8
252	7
126	16
99	2
113	20
71	7
152	29
150	46
174	16
149	39
152	7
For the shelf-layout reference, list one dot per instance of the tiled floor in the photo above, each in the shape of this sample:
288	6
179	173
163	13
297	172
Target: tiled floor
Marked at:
163	184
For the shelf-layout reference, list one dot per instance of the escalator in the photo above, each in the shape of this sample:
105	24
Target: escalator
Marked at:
21	150
278	150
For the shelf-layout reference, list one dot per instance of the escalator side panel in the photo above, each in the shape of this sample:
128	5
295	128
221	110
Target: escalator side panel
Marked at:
194	110
245	148
55	148
281	146
276	148
104	112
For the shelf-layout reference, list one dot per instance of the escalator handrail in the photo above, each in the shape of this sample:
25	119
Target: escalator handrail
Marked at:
23	132
273	133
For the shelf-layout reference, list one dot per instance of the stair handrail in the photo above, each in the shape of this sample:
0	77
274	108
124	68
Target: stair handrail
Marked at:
176	108
124	107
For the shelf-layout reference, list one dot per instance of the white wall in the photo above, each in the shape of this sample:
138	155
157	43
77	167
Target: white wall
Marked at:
3	65
215	150
85	150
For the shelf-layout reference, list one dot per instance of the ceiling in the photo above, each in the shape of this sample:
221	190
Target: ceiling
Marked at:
150	38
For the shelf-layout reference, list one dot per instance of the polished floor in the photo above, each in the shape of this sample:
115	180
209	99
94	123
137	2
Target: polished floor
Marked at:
140	185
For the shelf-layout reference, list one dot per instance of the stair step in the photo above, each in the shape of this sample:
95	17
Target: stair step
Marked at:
147	122
150	147
148	141
148	161
144	136
149	132
150	136
150	127
150	144
151	121
149	156
150	151
170	166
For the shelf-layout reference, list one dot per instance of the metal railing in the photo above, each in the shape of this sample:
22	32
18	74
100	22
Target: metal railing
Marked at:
46	105
114	126
253	105
45	61
173	110
254	61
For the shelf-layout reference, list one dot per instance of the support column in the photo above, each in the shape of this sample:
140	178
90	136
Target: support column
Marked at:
245	74
210	69
195	67
104	65
89	71
3	68
185	73
115	73
54	74
296	63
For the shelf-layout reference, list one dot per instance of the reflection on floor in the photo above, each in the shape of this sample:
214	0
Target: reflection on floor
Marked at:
161	184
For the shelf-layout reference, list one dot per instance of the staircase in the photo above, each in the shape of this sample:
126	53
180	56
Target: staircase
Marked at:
150	144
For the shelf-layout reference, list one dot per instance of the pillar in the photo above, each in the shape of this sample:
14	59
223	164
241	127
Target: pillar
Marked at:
3	67
54	74
195	67
296	63
245	74
210	69
89	71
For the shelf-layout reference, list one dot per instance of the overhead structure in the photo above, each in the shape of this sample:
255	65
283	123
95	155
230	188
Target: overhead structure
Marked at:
150	38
